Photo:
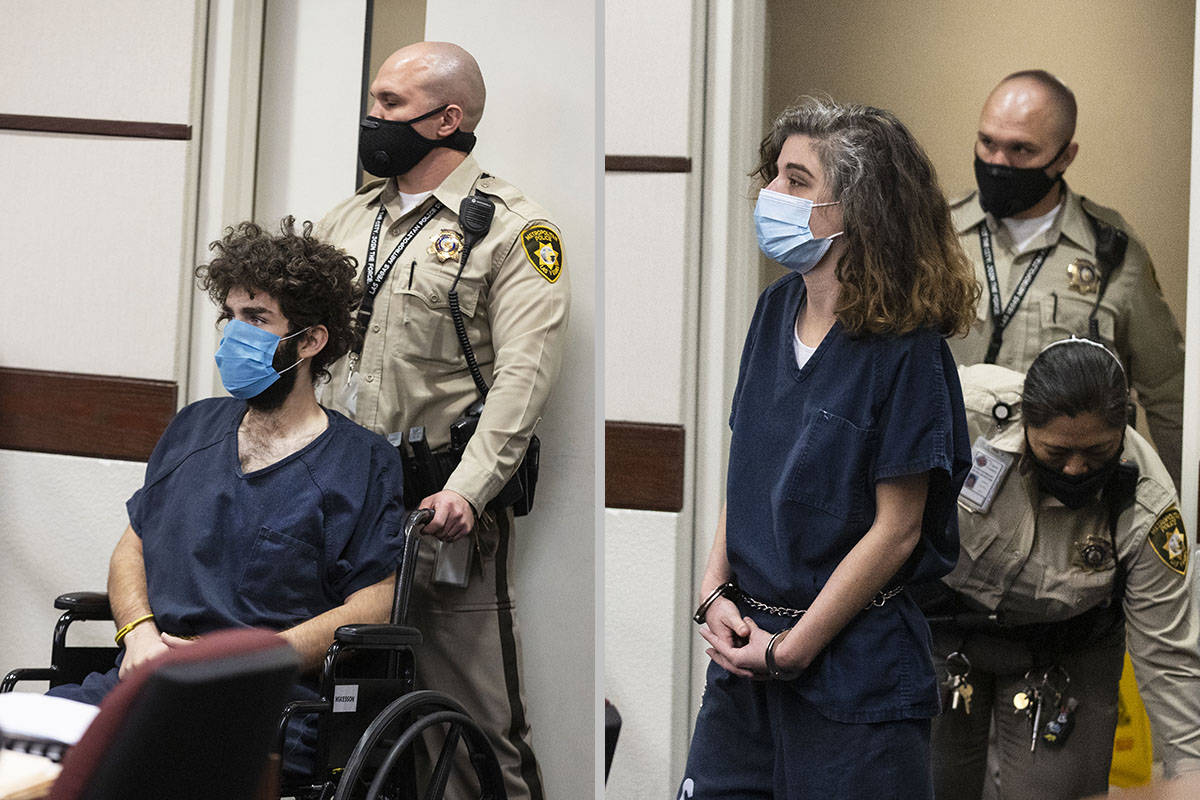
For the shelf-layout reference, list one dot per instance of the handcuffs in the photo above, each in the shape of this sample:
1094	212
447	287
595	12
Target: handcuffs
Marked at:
730	588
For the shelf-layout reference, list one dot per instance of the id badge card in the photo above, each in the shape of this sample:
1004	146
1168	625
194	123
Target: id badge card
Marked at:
989	466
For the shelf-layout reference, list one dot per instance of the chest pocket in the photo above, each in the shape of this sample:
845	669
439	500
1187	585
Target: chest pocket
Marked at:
831	471
426	332
282	578
1065	312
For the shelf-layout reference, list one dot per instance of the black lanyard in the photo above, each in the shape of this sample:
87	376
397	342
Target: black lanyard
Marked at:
373	279
1002	316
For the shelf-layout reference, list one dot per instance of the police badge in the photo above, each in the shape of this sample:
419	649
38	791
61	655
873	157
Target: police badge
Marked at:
1082	276
447	245
1169	541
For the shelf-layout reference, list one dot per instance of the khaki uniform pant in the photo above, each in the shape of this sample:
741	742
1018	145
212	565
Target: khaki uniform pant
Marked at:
471	651
960	741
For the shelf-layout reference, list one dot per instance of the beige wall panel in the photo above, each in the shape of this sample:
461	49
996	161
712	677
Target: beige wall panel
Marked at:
933	63
647	74
644	297
539	61
62	517
312	68
120	59
643	551
92	249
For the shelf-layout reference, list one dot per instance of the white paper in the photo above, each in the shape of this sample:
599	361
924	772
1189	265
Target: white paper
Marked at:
24	715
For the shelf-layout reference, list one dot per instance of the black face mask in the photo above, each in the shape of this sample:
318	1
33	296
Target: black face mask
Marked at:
387	148
1073	491
1005	191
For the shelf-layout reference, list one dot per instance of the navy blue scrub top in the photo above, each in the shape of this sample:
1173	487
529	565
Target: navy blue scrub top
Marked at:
807	449
270	548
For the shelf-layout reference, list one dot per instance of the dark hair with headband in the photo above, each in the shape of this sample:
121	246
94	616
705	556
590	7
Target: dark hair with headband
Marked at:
1073	377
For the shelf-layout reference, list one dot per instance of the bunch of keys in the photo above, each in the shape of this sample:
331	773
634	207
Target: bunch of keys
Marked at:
960	691
1051	688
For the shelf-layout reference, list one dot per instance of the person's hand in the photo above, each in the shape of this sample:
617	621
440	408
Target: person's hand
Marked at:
141	644
175	642
725	622
749	659
453	517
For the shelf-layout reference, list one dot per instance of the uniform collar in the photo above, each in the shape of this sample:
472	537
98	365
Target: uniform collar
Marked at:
1072	222
457	185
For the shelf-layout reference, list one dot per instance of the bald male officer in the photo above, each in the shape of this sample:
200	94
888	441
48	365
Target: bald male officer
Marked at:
513	297
1055	264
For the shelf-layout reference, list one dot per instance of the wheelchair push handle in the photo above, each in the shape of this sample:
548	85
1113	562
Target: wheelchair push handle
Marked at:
414	523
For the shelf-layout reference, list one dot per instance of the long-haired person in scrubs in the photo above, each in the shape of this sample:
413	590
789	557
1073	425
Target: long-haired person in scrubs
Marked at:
849	448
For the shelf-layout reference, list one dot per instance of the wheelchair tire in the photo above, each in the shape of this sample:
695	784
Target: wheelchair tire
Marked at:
439	709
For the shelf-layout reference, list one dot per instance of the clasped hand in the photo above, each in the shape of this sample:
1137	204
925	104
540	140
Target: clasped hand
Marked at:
737	644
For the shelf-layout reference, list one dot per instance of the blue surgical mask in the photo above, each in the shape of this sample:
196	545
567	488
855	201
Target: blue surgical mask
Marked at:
246	358
781	221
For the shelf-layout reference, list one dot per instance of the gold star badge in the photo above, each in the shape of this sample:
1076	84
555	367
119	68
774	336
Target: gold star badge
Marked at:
1082	276
447	245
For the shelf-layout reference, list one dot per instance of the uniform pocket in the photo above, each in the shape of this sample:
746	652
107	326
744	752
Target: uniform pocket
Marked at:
1065	313
428	330
282	576
831	472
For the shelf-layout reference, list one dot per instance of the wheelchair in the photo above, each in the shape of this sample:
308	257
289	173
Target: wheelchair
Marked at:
370	715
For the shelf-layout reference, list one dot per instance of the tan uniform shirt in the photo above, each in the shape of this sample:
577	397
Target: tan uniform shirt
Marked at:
1133	318
1023	558
514	298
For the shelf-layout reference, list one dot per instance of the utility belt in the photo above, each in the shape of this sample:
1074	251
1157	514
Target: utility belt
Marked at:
952	610
426	471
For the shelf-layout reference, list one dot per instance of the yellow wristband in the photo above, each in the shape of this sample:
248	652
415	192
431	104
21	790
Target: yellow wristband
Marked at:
121	633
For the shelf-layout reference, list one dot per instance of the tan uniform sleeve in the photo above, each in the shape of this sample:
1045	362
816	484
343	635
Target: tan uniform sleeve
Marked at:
1155	352
1163	636
528	317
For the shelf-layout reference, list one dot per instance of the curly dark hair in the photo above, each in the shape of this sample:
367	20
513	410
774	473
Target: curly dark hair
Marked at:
903	267
313	282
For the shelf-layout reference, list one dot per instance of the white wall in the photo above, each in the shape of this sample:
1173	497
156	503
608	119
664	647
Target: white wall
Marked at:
539	61
96	245
653	65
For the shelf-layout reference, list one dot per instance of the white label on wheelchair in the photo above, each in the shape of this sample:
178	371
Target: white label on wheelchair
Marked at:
345	698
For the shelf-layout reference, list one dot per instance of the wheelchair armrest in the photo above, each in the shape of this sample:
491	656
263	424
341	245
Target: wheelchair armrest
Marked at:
377	636
85	605
28	674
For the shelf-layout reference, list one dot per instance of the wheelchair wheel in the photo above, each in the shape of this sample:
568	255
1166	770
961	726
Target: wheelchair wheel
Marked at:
385	751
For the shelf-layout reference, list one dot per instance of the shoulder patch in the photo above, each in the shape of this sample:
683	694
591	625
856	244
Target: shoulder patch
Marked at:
1169	541
544	251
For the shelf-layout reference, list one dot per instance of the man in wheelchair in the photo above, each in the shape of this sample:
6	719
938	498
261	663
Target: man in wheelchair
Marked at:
262	509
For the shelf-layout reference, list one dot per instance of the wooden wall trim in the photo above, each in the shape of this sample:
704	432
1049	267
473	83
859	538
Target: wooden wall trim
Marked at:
647	164
96	127
643	466
95	416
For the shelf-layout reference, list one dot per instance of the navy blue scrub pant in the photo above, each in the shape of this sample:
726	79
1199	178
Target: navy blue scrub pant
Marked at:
761	739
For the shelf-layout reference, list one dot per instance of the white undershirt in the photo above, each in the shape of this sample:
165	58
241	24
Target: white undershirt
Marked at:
803	351
1024	231
410	201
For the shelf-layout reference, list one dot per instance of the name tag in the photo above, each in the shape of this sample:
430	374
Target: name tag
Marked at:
988	468
345	698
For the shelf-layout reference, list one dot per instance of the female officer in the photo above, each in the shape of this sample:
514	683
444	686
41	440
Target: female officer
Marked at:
1069	527
848	449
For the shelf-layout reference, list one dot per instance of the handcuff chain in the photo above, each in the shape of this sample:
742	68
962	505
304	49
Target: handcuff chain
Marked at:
733	592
